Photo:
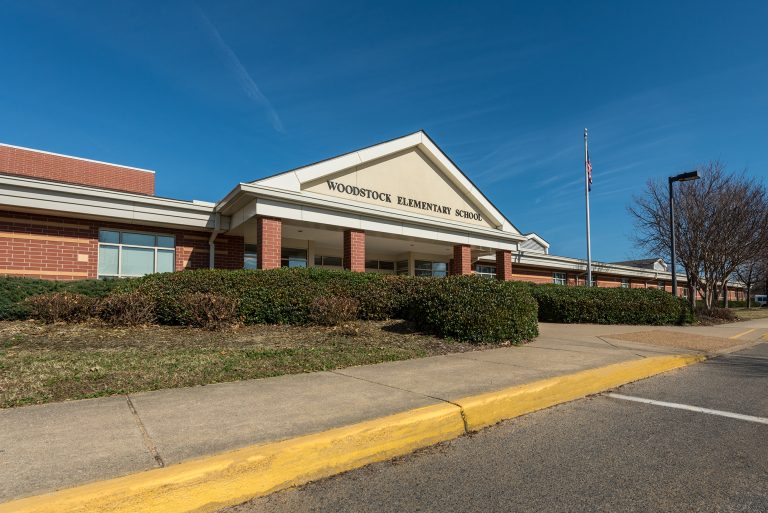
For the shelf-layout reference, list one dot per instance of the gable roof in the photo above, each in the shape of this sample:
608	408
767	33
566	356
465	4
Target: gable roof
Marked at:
646	263
295	178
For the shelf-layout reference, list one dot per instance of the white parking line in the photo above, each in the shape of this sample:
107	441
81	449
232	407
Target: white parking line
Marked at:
739	416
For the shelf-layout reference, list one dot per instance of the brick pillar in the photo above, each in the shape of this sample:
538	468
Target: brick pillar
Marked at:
354	250
269	234
462	259
503	265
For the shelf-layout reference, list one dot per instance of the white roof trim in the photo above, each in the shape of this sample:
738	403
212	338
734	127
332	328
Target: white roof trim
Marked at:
533	236
31	195
77	158
560	263
294	179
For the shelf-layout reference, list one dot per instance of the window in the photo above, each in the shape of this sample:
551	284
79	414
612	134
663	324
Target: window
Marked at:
625	283
249	260
685	292
426	268
487	271
123	254
288	257
560	278
328	261
660	285
402	267
383	266
293	257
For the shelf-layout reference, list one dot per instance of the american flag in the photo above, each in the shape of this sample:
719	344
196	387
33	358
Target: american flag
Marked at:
589	174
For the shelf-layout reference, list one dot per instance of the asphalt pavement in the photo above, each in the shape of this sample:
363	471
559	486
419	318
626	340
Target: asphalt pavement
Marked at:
602	453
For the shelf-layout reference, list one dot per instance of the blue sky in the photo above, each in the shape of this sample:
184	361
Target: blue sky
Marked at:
209	94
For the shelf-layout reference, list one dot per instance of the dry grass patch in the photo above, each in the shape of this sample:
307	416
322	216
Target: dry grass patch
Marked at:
748	314
679	339
42	363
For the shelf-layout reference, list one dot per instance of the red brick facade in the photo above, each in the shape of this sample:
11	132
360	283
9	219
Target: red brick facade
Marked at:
462	259
504	265
62	248
47	166
354	250
269	233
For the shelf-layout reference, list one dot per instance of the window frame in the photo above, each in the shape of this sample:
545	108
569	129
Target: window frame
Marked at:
487	273
420	271
559	278
626	283
120	245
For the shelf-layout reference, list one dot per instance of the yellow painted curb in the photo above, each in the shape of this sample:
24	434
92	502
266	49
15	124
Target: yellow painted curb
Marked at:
210	483
488	409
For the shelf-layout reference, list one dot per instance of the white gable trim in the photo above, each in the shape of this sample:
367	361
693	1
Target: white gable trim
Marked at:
293	180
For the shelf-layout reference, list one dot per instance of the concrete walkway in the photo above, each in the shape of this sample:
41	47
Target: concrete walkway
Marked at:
47	447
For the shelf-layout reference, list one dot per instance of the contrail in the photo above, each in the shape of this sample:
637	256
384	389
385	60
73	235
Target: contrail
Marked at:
246	81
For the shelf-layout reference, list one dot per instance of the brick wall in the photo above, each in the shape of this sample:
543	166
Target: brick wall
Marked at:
269	236
504	265
62	248
47	166
462	259
354	250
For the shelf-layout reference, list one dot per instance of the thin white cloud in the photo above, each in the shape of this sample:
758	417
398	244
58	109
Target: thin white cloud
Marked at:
247	83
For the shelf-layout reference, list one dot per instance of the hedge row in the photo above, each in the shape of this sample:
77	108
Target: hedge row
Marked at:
459	307
13	291
561	303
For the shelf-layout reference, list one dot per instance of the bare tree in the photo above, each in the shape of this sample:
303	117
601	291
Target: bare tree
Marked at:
752	272
721	222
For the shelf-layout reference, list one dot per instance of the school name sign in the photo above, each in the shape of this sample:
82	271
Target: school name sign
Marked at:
395	199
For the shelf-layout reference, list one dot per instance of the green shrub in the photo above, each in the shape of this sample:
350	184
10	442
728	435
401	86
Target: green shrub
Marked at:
279	296
476	309
126	309
208	310
562	303
14	290
333	310
60	306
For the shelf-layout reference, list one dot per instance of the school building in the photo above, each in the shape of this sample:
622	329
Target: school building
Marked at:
398	207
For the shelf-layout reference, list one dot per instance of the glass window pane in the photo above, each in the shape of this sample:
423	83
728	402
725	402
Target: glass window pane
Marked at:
423	264
138	239
137	261
371	264
108	260
297	262
439	266
165	260
250	248
109	236
332	261
422	272
250	262
166	241
318	260
390	266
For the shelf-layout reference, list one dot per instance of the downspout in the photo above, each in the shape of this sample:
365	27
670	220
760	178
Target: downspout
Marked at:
211	243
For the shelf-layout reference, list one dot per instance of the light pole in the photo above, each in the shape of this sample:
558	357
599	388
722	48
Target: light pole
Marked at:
682	177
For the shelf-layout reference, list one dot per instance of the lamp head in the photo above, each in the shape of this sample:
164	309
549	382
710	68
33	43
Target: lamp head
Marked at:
685	177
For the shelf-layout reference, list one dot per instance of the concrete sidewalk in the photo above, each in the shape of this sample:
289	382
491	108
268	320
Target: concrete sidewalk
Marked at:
47	447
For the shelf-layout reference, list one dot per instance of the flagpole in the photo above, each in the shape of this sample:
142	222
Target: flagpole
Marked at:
586	196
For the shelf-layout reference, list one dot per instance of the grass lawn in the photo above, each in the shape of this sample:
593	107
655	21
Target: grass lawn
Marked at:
753	313
42	363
